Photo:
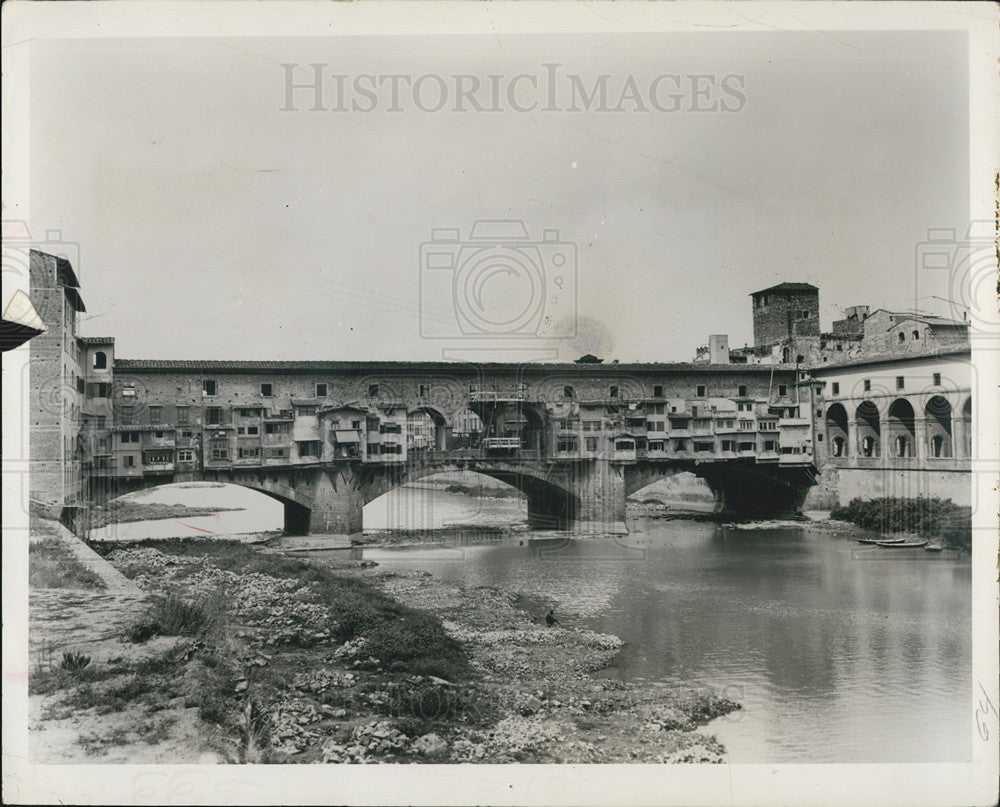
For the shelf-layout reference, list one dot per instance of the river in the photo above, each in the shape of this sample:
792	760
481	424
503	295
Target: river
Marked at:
838	653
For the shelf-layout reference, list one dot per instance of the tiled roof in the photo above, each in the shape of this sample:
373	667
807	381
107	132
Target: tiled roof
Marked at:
789	287
891	359
361	367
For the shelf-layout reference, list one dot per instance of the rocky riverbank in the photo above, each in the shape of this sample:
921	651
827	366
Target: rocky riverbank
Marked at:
430	673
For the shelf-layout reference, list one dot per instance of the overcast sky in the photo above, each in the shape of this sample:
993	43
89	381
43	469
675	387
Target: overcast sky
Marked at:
214	225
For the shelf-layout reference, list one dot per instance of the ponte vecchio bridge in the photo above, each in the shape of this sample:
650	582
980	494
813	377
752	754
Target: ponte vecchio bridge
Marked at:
325	438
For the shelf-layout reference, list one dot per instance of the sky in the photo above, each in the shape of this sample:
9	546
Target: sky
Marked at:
211	224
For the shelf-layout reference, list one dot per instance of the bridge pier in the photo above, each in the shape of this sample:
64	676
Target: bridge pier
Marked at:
600	487
337	508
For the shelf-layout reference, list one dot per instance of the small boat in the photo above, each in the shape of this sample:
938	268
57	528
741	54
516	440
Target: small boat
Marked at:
868	540
902	544
933	547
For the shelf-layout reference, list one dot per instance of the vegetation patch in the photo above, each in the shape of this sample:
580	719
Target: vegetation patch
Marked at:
172	615
930	518
51	564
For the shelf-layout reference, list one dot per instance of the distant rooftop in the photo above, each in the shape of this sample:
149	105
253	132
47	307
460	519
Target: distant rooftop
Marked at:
97	340
788	287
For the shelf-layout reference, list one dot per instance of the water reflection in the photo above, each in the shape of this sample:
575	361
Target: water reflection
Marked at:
837	658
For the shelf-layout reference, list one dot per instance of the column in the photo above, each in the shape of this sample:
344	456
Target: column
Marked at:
920	436
853	444
958	427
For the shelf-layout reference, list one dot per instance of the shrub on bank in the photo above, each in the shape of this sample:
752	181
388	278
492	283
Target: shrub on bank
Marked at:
931	518
174	616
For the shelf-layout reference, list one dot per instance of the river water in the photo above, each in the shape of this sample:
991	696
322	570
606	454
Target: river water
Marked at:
838	653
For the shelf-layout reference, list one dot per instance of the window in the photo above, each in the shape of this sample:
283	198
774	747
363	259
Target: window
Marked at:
568	443
278	453
900	382
220	454
937	379
213	416
185	455
373	390
128	461
782	390
266	390
99	390
656	445
80	386
425	390
840	346
251	430
355	424
183	414
742	391
836	388
805	315
306	410
613	391
567	392
703	446
156	414
391	448
902	337
591	425
100	360
209	387
799	359
770	445
567	425
916	335
868	385
728	445
249	452
658	391
321	391
700	391
658	409
746	425
158	435
591	444
275	428
129	437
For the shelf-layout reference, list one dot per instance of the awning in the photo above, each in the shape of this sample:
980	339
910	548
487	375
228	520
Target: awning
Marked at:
347	436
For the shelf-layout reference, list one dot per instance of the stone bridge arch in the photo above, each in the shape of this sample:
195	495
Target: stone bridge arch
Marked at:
553	500
643	474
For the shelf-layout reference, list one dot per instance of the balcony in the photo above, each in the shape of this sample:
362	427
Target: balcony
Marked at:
498	396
